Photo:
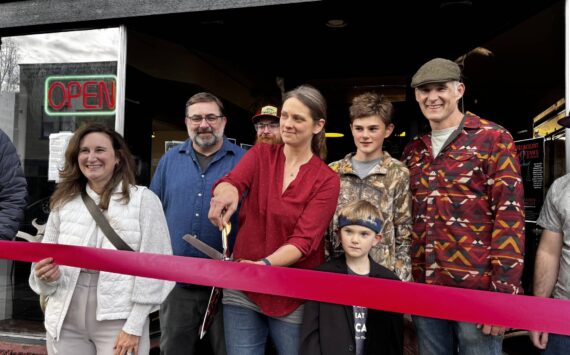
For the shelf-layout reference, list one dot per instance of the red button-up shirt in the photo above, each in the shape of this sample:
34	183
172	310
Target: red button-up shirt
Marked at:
269	219
468	209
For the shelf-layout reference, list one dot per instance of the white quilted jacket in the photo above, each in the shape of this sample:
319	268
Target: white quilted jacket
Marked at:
144	230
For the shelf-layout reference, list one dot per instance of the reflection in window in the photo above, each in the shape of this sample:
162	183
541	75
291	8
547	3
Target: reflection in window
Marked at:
81	67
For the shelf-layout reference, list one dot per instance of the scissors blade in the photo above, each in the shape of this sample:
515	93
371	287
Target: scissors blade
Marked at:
203	247
213	304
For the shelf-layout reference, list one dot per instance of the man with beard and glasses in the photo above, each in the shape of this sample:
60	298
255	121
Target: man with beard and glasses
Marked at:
182	181
266	123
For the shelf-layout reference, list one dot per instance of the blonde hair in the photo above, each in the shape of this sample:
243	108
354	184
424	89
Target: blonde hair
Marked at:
359	210
360	213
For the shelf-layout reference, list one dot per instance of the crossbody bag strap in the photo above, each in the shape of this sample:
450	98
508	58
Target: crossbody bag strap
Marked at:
102	222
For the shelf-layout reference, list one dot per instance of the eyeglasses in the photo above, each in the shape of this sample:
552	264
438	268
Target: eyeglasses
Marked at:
262	126
210	118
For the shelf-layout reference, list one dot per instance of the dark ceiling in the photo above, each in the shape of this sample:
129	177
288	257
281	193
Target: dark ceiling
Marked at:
380	49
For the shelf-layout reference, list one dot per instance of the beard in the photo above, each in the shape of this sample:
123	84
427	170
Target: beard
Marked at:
268	139
203	142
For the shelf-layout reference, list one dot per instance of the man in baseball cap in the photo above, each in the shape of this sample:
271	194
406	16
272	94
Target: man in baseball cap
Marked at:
266	123
465	182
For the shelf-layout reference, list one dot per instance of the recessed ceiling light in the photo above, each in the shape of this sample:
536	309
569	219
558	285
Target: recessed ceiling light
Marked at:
456	3
336	23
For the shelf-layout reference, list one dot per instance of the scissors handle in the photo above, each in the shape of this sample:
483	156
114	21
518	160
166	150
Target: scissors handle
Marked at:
225	234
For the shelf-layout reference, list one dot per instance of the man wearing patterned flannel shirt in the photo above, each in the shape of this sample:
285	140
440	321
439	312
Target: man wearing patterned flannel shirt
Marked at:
467	208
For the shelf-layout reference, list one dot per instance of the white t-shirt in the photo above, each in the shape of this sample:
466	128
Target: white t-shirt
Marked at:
438	138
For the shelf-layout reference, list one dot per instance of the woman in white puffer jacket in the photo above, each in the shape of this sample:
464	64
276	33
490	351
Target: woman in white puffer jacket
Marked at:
92	312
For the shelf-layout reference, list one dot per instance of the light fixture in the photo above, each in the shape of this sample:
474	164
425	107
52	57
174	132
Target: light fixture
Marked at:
153	135
456	4
336	23
334	135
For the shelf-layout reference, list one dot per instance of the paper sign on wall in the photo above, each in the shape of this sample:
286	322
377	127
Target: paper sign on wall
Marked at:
57	145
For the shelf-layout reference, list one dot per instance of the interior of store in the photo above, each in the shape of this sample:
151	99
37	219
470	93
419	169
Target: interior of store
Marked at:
512	54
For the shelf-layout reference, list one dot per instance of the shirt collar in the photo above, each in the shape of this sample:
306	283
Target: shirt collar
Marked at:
227	146
472	121
96	197
345	166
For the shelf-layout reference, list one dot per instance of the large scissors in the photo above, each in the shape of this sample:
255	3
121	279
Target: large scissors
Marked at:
206	249
214	254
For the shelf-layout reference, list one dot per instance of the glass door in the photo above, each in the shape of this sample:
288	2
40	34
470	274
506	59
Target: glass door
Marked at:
51	83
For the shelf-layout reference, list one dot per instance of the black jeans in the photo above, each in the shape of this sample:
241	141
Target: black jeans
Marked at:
181	315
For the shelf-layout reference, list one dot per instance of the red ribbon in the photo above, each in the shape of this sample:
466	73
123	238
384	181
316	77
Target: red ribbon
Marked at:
481	307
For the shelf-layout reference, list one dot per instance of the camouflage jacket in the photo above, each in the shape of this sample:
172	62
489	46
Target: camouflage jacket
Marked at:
387	187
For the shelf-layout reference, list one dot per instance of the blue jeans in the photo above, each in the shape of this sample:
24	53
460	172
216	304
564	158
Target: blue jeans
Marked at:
437	337
246	332
557	345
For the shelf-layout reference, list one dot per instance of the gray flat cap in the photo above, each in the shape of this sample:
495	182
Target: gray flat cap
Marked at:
437	70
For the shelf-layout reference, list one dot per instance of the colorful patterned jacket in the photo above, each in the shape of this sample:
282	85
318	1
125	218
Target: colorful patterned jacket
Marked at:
387	187
468	209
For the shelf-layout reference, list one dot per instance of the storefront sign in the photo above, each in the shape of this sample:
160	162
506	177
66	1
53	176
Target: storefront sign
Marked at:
531	158
80	95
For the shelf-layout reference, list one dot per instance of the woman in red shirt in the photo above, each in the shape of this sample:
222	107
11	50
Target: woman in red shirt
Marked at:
290	197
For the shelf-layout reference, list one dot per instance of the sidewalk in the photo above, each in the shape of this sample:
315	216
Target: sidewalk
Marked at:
9	348
20	337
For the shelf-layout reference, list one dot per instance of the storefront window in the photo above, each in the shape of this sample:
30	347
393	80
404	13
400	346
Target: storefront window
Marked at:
50	83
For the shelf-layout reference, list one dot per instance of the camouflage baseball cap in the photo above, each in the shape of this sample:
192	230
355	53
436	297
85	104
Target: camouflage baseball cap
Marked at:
437	70
268	111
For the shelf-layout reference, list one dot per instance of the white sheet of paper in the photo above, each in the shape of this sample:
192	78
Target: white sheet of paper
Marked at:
57	145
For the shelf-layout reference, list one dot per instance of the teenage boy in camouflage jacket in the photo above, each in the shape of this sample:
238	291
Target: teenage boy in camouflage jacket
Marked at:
373	175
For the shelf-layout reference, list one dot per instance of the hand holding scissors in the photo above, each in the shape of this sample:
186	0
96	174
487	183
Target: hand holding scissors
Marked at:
224	203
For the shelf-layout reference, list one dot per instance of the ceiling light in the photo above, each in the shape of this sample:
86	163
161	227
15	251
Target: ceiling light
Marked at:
334	135
336	23
456	3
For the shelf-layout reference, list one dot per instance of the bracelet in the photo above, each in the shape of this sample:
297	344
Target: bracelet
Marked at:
265	261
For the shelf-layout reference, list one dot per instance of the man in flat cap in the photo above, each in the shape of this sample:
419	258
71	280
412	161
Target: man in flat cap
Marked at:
552	263
468	210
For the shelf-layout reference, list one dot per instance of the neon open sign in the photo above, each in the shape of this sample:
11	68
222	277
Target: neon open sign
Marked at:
80	95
